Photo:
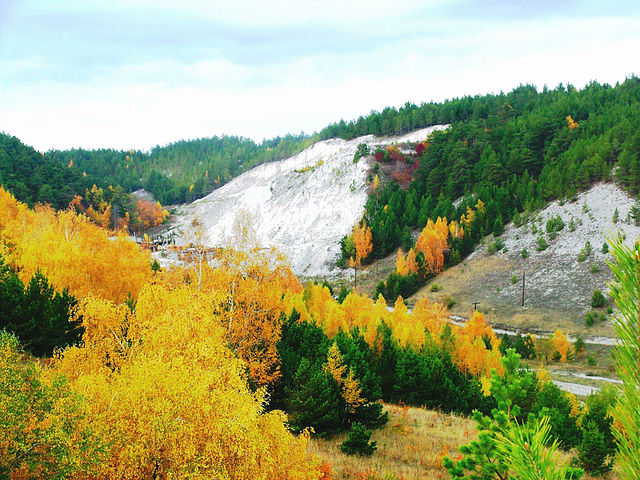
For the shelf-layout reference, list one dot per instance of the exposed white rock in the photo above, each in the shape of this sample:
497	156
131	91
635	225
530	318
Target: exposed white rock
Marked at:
554	275
302	205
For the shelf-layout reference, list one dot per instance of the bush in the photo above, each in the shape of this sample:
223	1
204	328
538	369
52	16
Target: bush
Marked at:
357	443
593	317
592	451
542	244
524	253
514	279
594	268
435	287
449	301
585	252
554	224
605	248
598	299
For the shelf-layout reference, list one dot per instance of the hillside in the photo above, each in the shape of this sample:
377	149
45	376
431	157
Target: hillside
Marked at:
302	205
181	171
558	287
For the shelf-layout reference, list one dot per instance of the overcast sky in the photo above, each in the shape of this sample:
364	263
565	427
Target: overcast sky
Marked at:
140	73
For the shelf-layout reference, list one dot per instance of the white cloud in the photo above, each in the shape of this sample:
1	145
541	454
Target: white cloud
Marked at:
141	102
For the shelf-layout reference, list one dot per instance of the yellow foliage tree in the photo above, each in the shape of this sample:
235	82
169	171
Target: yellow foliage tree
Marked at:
571	124
401	264
363	244
432	242
71	251
170	399
349	386
561	344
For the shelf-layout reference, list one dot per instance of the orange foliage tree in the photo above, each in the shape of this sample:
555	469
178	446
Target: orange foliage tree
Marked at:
150	214
363	244
246	293
432	242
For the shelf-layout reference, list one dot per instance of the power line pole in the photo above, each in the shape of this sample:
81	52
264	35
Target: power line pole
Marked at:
523	274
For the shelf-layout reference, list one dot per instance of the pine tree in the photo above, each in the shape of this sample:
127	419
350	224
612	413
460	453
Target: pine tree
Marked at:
314	400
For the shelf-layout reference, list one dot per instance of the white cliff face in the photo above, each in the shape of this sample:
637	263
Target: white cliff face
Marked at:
302	205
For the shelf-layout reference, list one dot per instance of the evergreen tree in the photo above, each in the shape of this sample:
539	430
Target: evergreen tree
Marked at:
314	400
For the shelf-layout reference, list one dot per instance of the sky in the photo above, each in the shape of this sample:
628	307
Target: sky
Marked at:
140	73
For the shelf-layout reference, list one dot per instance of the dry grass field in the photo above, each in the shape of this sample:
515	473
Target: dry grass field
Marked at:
410	447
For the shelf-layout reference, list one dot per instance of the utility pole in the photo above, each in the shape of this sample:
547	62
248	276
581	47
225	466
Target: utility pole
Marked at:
523	274
475	305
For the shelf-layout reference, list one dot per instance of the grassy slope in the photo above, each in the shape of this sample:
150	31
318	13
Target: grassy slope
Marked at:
410	447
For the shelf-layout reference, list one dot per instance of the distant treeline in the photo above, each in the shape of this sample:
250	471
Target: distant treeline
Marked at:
182	171
33	179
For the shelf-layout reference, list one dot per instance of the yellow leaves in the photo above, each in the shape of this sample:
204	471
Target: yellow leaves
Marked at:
71	251
571	124
576	408
405	266
247	291
362	241
335	366
485	383
349	386
543	375
170	397
376	183
401	265
560	344
431	242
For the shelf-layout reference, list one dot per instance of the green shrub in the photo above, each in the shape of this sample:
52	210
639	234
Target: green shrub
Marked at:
542	244
585	252
598	299
605	248
449	301
514	279
572	225
593	452
524	253
357	443
435	287
594	268
554	224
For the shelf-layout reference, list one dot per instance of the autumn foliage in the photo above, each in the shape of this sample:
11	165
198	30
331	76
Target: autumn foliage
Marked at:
427	322
71	251
174	369
170	399
150	213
